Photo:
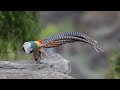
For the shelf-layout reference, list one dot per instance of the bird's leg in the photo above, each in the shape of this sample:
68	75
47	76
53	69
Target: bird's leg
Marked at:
43	53
39	58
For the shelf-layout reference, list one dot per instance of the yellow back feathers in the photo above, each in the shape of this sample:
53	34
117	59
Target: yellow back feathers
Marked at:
38	43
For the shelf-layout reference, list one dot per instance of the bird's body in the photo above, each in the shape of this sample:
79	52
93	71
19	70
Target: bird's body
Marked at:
59	39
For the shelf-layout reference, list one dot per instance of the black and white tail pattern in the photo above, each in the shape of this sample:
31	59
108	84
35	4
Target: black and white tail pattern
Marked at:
68	37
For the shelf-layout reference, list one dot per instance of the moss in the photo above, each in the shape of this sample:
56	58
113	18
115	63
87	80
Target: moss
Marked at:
114	67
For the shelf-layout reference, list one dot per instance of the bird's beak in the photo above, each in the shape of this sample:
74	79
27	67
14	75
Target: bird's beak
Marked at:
31	51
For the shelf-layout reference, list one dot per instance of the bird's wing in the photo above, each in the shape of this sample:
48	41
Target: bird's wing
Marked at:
57	43
39	52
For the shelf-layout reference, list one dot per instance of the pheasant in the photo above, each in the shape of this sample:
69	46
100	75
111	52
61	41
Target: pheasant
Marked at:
37	47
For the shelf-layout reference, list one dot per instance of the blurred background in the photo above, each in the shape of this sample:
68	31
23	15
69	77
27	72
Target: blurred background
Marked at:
16	27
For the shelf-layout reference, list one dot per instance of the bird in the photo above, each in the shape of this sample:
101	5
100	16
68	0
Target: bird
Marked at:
56	40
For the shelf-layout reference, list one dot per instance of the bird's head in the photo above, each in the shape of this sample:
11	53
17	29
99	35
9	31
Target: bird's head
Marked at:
30	46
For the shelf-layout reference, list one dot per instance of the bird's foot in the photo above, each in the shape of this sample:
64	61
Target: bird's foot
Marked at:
38	61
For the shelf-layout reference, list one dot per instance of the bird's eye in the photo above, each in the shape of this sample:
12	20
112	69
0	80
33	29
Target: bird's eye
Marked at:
23	49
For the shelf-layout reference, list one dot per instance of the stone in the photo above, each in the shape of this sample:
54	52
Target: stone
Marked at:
52	67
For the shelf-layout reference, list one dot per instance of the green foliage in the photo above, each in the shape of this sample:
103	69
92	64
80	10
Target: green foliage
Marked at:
52	29
17	27
114	68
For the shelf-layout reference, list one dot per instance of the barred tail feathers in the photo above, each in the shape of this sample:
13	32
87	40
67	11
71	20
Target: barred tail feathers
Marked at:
68	39
75	34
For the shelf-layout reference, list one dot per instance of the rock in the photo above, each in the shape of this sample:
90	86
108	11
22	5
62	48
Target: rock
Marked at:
52	67
29	74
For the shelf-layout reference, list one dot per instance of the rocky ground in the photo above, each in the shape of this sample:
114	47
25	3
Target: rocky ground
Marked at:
52	67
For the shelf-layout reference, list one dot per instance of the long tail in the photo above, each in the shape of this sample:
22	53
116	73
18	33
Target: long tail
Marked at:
68	37
75	34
